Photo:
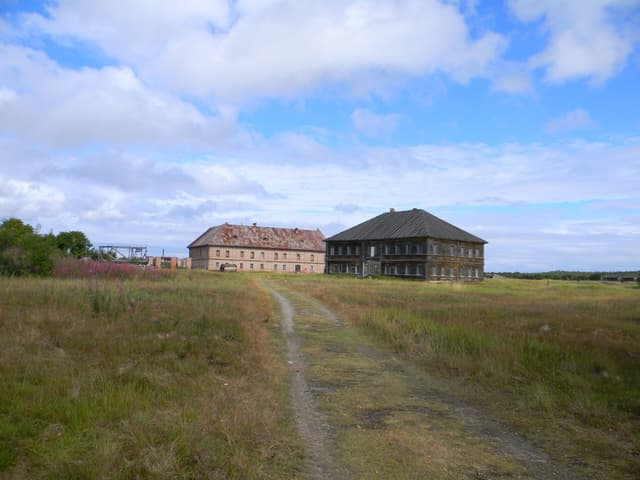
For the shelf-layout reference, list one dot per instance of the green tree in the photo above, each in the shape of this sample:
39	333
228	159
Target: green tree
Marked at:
23	250
73	243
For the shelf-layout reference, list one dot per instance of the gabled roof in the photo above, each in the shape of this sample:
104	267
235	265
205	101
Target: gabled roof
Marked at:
261	237
405	224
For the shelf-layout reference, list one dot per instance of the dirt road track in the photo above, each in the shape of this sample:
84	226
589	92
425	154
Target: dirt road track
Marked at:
397	399
312	425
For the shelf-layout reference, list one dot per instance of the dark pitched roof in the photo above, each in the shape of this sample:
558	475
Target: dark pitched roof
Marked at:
405	224
261	237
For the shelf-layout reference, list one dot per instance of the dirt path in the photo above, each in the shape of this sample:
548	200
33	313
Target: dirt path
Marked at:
312	425
365	413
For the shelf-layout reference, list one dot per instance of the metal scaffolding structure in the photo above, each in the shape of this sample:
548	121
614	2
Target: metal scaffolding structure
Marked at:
124	253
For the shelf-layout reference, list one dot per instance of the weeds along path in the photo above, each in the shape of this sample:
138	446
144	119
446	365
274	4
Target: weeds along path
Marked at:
365	413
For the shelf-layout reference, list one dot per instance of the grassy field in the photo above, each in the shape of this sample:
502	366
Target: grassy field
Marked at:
180	377
184	377
559	361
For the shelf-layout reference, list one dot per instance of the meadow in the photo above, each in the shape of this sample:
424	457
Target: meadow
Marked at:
142	376
184	376
556	360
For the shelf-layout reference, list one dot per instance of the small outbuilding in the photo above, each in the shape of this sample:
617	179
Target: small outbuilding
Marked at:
410	244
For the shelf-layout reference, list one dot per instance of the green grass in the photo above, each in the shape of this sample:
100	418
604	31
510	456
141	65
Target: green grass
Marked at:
176	378
557	360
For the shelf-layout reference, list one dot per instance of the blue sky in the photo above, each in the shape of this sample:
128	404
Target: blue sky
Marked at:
147	122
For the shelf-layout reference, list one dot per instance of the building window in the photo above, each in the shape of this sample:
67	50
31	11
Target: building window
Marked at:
332	250
217	264
262	266
284	255
407	248
226	254
462	251
275	256
434	271
470	252
311	268
251	266
452	251
275	266
434	249
357	249
218	253
348	249
313	258
339	249
297	256
241	253
252	255
476	273
477	253
284	266
241	266
261	255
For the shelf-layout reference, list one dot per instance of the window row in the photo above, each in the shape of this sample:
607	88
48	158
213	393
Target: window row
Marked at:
344	250
464	272
344	268
411	269
262	256
453	250
276	267
406	248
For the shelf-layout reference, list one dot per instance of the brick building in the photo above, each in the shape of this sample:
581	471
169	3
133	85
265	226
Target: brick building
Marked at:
410	244
258	249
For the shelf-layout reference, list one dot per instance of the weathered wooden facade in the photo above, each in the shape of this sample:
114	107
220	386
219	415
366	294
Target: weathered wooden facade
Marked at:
258	249
410	244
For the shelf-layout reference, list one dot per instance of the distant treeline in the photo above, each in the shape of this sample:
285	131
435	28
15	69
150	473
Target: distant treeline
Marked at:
565	275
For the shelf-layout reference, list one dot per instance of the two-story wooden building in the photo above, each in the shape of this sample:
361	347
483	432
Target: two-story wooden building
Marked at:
410	244
258	249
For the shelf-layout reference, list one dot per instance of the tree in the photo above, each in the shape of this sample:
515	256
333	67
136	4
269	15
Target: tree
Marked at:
73	243
23	250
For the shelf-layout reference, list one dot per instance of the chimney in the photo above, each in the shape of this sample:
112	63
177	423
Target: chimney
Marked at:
392	210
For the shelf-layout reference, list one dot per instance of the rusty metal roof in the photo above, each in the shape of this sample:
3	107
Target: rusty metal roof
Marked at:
228	235
405	224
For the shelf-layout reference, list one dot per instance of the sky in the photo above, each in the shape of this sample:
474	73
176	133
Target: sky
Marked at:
146	122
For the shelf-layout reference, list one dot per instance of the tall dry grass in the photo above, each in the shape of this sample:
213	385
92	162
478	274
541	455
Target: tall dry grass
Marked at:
108	378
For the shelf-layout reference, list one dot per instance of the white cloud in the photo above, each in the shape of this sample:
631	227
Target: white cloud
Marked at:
574	120
65	108
583	41
19	198
373	124
277	47
501	193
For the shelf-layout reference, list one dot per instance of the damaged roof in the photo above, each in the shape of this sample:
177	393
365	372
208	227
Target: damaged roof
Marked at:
405	224
228	235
